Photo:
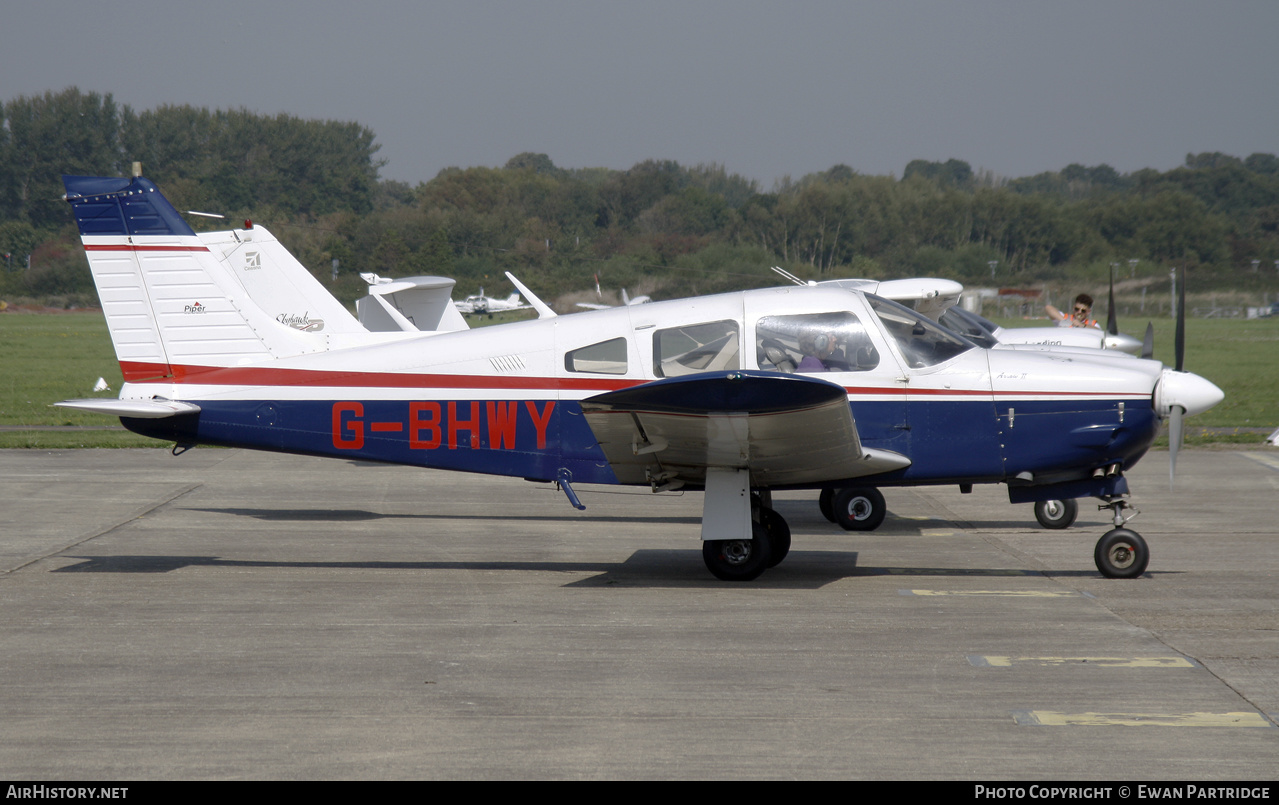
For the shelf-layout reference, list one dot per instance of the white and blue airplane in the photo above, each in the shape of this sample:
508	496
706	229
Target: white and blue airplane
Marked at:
479	304
736	394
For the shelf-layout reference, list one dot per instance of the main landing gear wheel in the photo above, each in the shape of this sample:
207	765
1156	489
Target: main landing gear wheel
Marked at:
858	508
778	534
824	502
738	559
1056	513
1121	554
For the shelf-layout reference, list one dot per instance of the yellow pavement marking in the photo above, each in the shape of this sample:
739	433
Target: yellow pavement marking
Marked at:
1005	593
1053	718
1104	662
1271	461
937	532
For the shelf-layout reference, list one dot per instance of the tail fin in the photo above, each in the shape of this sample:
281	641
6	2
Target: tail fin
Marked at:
169	301
276	282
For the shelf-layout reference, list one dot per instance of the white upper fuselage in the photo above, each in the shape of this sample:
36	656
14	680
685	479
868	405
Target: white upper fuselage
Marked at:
527	360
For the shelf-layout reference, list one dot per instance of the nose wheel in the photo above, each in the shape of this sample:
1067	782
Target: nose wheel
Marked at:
1121	553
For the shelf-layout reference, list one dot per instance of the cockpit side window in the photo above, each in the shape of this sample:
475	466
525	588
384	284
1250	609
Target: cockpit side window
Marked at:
606	357
922	342
696	348
814	342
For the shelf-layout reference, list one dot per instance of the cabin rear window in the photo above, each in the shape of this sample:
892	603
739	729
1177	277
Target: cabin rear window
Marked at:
605	358
695	348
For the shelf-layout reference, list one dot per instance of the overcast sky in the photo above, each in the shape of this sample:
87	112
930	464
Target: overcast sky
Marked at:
767	89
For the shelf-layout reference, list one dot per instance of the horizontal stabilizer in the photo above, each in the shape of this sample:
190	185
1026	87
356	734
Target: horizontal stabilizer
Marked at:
785	429
140	409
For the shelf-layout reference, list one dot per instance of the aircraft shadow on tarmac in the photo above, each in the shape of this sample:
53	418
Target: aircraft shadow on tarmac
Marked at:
643	568
354	515
800	522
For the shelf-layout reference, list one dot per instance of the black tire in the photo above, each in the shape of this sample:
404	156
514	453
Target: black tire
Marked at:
1056	513
738	559
764	497
858	508
824	503
778	534
1121	554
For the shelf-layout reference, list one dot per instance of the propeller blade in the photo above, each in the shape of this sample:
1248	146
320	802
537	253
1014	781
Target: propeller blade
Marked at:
1180	343
1112	324
1175	433
1148	343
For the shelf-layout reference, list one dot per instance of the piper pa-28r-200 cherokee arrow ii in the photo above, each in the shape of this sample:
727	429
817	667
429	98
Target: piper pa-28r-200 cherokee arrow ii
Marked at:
737	394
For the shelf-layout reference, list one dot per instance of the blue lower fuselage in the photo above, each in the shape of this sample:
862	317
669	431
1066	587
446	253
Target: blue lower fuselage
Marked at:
947	441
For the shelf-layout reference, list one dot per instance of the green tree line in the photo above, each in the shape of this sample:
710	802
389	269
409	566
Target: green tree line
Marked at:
659	227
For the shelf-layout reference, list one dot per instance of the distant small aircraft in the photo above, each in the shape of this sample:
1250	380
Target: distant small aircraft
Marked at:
736	394
479	304
626	302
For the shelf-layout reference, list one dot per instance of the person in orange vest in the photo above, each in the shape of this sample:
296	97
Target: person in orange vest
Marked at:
1082	313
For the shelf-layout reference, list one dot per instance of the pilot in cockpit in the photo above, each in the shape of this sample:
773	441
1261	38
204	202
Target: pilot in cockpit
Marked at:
821	354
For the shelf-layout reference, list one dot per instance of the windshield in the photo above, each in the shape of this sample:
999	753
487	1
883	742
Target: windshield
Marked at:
922	341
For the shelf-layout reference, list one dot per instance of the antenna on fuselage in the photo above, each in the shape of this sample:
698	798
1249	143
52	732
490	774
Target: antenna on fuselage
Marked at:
791	277
543	310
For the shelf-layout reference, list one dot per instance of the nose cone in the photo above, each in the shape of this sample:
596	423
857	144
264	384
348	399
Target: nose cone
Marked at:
1186	390
1123	343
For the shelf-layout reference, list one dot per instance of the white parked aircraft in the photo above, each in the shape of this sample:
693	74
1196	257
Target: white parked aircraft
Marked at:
479	304
409	304
736	394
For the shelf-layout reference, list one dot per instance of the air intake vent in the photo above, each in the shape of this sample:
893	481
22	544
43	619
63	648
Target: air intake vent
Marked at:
507	363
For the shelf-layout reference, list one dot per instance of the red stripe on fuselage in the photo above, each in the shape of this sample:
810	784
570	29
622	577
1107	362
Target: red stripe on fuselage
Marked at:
133	247
268	376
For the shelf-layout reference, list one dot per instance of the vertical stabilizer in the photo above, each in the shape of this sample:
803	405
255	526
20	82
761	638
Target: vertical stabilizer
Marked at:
167	301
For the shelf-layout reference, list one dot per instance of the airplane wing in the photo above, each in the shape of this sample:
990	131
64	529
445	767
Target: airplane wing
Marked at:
785	429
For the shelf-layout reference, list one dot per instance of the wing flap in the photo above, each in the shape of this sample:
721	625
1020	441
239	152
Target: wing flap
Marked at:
784	429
